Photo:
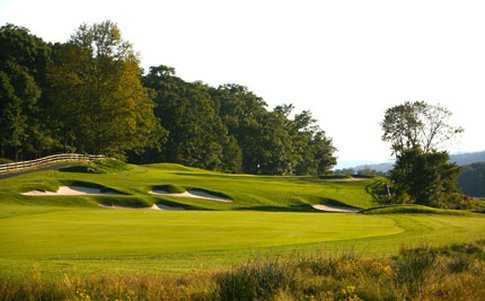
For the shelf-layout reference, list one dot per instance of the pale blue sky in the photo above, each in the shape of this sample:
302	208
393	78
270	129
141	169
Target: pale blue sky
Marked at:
346	61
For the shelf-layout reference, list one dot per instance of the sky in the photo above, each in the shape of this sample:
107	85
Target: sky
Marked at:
346	61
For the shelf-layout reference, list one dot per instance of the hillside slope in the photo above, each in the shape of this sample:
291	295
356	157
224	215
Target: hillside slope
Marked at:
472	180
460	159
245	191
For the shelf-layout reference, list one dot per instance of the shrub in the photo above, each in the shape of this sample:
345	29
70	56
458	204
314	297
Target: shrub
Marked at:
412	267
446	273
383	192
257	281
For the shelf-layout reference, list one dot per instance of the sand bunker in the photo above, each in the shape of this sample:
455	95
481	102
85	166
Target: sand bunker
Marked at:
193	193
165	207
352	179
328	208
70	190
158	207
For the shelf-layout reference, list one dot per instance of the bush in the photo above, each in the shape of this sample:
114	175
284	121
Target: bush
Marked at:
258	281
383	192
412	267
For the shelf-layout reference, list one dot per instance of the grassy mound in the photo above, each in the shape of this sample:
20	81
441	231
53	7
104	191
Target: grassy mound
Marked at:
411	209
212	192
40	185
53	185
171	167
122	201
335	203
181	203
99	166
169	188
102	188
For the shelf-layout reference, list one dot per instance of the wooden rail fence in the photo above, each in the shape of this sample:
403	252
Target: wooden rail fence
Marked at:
18	166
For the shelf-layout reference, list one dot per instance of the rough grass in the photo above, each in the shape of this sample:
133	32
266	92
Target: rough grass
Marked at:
448	273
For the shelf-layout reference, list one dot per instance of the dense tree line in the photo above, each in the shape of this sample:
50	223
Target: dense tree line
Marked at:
90	95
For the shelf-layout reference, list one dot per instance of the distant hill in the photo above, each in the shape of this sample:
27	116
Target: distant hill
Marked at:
460	159
468	158
472	180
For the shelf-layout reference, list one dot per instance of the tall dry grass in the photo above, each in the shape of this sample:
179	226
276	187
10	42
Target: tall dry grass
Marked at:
450	273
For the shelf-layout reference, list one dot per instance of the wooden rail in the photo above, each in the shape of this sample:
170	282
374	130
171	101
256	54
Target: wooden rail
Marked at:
18	166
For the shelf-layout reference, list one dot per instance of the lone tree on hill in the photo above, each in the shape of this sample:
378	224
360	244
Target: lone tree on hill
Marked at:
418	125
422	174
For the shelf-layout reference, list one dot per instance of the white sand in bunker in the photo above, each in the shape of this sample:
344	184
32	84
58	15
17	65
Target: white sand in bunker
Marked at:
158	207
351	179
327	208
193	193
70	190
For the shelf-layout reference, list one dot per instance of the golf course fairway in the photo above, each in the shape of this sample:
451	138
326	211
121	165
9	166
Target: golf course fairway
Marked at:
267	216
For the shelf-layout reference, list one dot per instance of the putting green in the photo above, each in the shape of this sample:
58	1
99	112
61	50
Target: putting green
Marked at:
125	232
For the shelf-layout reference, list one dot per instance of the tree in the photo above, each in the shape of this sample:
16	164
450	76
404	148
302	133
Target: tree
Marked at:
242	112
418	124
422	174
425	178
97	95
271	142
312	152
197	136
23	61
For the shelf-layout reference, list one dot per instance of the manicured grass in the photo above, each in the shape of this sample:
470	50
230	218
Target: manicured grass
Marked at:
246	191
269	216
415	209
